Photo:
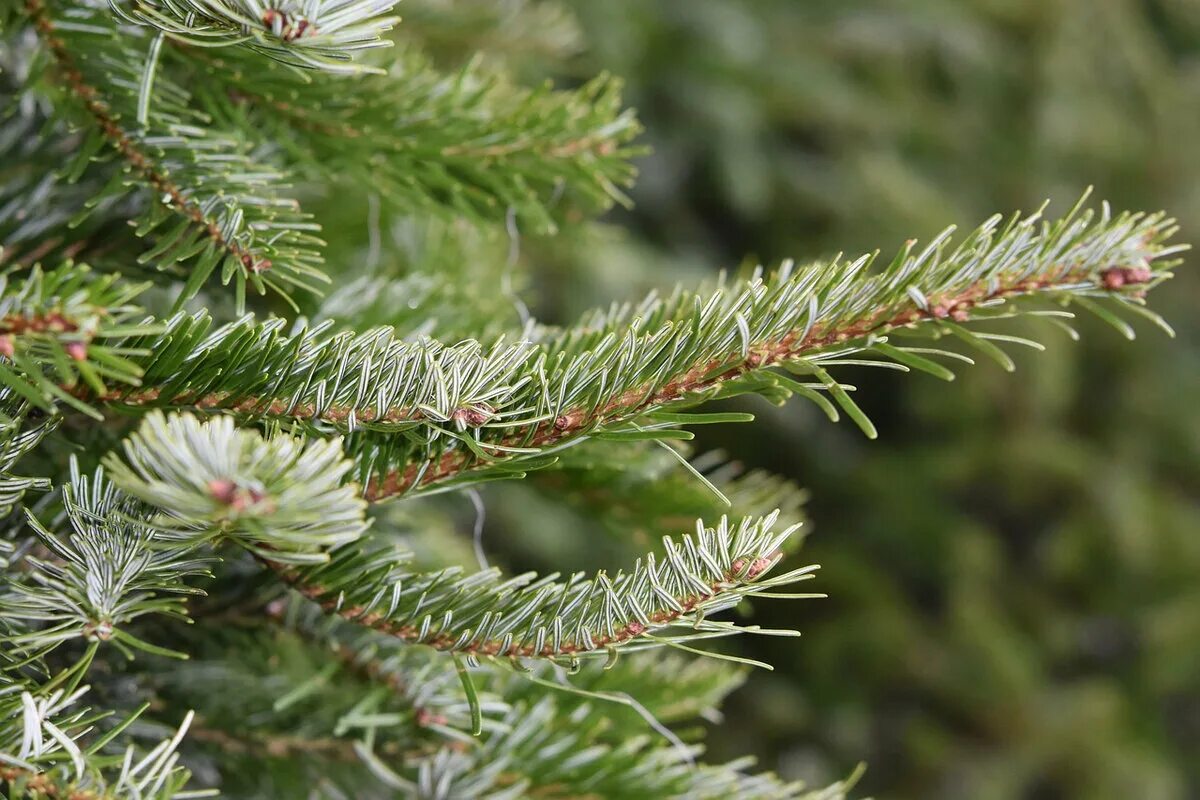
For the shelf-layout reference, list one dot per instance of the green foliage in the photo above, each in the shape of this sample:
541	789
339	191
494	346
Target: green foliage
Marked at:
281	498
1011	566
223	564
323	35
95	581
64	328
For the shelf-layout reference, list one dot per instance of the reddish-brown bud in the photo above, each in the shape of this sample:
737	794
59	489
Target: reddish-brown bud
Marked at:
98	631
756	568
1138	275
474	416
76	350
426	717
1113	278
222	490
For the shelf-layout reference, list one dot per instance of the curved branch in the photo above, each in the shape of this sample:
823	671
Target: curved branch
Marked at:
529	617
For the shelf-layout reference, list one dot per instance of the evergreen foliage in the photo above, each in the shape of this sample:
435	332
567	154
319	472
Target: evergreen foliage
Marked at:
211	593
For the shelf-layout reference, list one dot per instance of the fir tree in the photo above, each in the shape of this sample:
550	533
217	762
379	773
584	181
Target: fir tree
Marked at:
237	432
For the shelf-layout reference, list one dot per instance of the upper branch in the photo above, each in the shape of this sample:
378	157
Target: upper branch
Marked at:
229	208
594	379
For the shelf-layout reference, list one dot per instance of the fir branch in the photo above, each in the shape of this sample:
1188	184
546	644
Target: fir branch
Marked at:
322	34
37	204
468	144
107	573
442	415
525	616
45	752
18	435
680	351
540	751
285	502
372	379
65	325
280	498
321	680
229	212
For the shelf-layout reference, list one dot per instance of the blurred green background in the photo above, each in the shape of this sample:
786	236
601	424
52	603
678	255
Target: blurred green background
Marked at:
1014	567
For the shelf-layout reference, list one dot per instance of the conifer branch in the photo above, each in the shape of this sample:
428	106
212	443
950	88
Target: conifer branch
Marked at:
467	144
281	498
531	617
64	326
18	435
90	97
699	348
227	206
322	35
285	502
106	573
37	206
524	758
48	751
433	416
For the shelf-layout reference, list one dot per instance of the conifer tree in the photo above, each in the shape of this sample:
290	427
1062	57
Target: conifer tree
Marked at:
262	334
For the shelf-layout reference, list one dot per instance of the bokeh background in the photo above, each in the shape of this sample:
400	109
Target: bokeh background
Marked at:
1014	566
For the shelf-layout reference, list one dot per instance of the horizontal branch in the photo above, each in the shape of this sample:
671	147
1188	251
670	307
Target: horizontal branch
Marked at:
327	39
285	501
812	325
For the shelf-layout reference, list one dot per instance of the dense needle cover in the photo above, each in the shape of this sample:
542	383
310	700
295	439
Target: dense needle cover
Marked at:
237	430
